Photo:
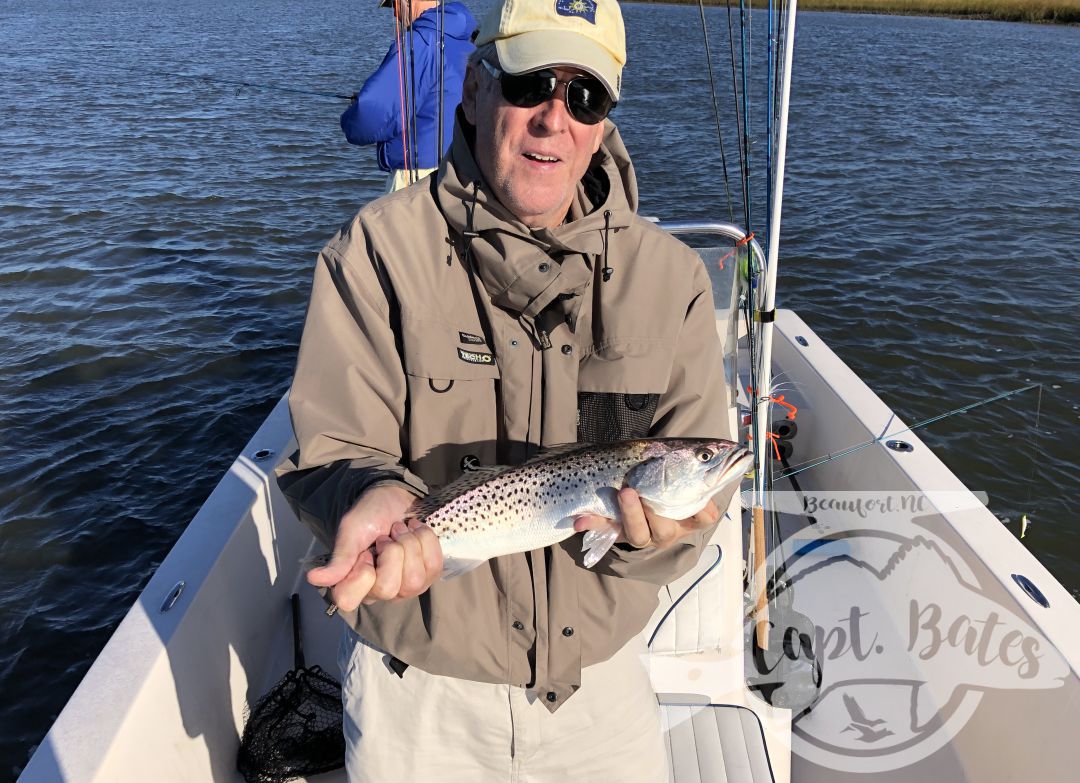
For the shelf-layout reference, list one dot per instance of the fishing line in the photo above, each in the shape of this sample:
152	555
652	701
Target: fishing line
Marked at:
746	52
400	53
1034	455
738	116
415	170
716	111
858	447
769	111
240	84
406	117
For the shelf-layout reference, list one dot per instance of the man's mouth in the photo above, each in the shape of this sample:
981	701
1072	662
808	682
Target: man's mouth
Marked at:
540	158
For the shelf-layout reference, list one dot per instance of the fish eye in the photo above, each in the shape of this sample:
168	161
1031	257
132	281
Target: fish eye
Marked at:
705	454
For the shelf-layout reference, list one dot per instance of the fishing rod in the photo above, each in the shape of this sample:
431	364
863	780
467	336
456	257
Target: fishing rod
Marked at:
716	112
743	181
238	83
415	170
400	55
817	461
441	32
761	384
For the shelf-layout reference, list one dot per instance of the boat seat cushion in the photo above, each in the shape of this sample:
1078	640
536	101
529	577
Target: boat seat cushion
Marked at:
687	619
714	743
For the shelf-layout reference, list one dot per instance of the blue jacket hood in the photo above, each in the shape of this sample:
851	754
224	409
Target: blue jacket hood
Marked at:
459	22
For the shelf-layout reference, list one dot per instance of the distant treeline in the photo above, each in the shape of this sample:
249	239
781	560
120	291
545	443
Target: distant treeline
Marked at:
1054	11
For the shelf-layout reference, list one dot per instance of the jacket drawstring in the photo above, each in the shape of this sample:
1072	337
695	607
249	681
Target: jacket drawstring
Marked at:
469	233
607	271
467	262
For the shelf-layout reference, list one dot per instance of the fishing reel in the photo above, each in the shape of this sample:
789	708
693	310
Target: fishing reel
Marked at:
781	432
787	674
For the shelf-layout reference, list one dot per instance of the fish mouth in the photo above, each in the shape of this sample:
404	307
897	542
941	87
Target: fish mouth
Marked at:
734	465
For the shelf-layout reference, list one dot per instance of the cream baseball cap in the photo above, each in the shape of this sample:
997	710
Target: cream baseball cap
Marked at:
534	34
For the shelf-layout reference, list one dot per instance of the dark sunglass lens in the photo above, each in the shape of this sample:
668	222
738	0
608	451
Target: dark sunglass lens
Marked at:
528	89
588	100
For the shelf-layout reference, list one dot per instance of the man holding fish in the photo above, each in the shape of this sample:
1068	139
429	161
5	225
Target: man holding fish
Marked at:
508	305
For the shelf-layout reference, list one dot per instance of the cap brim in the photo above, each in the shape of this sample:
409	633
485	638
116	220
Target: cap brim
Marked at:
555	48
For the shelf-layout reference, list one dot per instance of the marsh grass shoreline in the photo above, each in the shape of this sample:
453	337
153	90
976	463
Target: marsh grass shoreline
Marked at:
1032	11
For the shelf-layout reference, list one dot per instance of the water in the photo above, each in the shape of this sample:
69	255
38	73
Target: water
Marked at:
157	236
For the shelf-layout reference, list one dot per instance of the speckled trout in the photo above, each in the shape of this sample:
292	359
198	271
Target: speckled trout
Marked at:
500	510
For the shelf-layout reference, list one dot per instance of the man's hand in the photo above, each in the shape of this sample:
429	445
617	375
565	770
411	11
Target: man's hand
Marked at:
377	556
641	528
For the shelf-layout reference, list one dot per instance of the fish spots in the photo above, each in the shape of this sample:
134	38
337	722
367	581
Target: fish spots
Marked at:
487	512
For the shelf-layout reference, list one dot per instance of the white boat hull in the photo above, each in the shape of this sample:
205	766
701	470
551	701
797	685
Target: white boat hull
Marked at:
165	700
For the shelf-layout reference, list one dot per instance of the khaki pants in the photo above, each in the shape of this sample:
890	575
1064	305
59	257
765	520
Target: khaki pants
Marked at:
425	728
402	178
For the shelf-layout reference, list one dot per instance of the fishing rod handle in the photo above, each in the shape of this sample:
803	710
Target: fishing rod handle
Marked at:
298	642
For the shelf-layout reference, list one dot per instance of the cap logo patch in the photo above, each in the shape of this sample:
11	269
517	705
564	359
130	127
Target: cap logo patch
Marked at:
586	9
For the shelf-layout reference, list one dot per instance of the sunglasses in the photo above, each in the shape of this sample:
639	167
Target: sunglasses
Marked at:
587	99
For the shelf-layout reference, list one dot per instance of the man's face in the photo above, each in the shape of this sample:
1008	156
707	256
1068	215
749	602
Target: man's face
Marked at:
532	158
409	11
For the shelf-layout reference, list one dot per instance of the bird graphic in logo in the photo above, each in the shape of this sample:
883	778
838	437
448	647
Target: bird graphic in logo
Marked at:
860	723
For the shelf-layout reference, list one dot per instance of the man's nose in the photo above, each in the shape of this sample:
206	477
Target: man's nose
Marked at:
552	115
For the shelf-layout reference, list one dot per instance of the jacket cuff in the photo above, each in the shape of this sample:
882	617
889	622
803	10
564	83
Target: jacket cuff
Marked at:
320	496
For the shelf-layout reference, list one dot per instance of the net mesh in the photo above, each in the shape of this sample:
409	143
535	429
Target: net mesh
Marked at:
606	417
294	730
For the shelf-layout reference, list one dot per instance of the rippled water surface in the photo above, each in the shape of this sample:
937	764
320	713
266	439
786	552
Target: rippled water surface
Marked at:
157	236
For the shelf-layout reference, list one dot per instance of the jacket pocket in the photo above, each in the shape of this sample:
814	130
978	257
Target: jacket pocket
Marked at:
452	387
619	388
435	351
606	417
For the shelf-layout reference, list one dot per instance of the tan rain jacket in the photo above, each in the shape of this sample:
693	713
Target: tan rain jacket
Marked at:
441	334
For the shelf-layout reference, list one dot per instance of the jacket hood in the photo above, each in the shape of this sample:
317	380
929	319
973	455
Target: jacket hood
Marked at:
460	23
515	262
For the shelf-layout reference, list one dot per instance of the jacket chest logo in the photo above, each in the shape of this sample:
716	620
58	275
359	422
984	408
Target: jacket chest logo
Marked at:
475	357
471	339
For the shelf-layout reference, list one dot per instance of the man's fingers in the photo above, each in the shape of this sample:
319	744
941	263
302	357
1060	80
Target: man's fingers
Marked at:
341	563
708	516
635	526
431	550
591	522
355	586
413	571
389	557
356	533
665	532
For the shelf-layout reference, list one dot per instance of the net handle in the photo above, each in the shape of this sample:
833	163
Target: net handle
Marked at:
298	644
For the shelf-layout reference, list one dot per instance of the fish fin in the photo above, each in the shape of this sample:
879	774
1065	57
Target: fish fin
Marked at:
558	450
468	480
456	566
596	543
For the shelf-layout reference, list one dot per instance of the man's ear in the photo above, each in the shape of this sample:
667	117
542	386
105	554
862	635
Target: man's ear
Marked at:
601	128
468	94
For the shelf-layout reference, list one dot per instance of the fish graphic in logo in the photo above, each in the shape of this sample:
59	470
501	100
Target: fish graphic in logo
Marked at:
586	9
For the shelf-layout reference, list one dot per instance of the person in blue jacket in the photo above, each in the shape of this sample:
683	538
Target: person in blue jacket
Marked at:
375	116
